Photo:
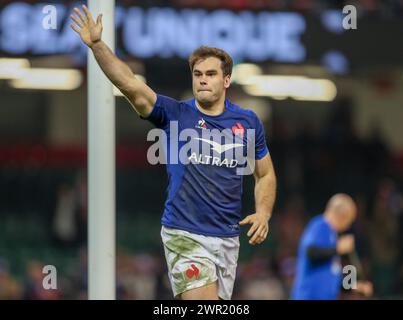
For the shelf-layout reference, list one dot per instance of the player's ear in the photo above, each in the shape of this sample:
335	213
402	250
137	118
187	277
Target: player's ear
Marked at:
227	81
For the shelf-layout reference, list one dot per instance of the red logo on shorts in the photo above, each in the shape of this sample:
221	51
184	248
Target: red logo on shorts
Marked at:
191	272
238	129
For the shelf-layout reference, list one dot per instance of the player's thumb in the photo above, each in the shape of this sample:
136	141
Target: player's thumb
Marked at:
244	221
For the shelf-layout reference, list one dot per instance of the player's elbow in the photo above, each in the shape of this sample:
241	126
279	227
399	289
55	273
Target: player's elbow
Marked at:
271	175
140	97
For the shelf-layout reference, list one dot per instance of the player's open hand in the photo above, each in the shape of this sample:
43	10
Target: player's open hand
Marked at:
89	31
259	229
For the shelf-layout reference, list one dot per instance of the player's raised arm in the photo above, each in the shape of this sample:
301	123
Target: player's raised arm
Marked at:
141	96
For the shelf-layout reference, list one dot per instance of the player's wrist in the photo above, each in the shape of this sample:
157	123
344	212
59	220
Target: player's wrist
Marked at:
95	44
265	215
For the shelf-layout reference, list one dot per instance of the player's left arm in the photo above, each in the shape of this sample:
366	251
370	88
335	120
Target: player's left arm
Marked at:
265	194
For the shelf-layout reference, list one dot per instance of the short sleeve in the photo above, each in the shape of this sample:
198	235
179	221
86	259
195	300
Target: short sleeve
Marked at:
165	109
318	236
260	142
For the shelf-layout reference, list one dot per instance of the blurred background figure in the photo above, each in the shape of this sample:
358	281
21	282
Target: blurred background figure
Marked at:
329	99
260	281
70	216
384	251
319	269
10	289
64	223
33	286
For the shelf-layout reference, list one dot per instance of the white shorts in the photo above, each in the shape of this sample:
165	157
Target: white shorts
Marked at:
195	261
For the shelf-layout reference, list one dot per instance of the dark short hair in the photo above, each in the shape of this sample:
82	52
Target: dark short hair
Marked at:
204	52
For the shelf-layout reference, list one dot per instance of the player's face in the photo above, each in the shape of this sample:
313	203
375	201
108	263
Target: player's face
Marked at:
209	83
346	220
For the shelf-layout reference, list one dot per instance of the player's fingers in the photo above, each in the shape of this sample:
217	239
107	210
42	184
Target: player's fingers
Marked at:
87	13
75	28
76	21
256	235
261	232
78	12
259	240
265	234
263	237
252	229
99	20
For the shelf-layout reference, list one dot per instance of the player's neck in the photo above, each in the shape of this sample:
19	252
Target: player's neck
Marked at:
213	109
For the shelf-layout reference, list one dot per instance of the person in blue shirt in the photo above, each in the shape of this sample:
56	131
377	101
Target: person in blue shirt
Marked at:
318	274
201	220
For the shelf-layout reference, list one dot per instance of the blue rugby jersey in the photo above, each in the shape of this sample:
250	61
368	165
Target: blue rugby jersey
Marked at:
204	195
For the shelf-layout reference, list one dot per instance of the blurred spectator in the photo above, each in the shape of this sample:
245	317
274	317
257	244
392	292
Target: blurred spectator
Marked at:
137	275
10	289
289	226
70	217
34	289
258	281
79	276
64	222
384	236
